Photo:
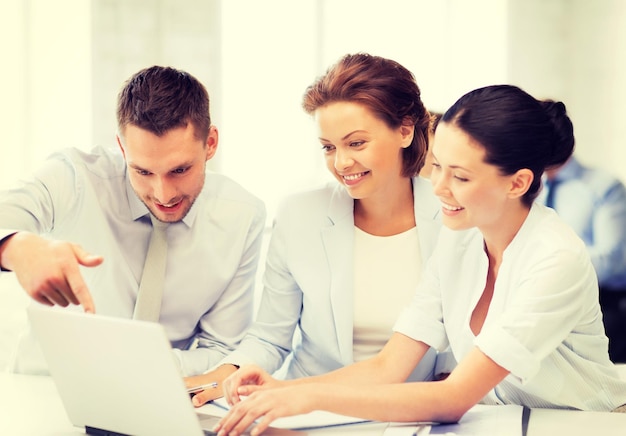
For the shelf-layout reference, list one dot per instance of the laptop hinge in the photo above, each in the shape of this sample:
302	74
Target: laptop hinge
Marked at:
100	432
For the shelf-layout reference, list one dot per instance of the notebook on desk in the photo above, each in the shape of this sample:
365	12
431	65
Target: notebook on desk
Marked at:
118	376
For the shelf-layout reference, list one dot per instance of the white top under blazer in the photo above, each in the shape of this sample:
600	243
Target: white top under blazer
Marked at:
309	283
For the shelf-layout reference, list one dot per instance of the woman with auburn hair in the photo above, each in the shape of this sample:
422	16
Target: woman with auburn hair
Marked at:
344	259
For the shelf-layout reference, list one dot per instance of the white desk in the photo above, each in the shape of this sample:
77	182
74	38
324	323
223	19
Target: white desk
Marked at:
30	406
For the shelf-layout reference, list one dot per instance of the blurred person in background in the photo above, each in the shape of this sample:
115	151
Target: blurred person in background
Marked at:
593	202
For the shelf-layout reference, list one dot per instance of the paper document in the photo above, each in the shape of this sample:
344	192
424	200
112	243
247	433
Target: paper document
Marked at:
407	429
483	420
316	419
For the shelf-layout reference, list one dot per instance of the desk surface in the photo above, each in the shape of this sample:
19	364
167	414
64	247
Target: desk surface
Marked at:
30	405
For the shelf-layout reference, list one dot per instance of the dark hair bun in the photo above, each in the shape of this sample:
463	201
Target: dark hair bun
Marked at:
563	145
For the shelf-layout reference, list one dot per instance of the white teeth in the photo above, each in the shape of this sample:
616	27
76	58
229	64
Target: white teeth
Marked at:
453	208
353	176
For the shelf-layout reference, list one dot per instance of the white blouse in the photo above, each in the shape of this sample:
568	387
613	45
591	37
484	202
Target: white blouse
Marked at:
386	273
544	323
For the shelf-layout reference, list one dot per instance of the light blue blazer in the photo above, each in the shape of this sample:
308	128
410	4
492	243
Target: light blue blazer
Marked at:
305	317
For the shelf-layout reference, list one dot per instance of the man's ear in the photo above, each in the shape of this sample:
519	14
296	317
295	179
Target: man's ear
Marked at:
211	142
520	182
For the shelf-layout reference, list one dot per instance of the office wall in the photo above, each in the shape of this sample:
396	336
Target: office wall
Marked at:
575	51
597	90
130	35
64	62
46	84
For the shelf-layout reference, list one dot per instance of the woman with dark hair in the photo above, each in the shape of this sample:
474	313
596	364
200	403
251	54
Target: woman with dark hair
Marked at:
344	259
510	288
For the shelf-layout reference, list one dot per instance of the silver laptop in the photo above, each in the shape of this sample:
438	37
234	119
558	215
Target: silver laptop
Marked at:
117	376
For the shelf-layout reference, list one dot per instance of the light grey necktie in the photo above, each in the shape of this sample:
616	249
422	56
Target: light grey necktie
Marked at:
148	304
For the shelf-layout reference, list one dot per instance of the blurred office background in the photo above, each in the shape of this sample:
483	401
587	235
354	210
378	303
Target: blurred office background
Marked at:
63	62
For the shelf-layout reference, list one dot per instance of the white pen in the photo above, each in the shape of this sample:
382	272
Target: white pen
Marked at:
197	389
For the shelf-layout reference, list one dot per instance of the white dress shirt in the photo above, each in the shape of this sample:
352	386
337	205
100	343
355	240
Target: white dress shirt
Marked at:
213	252
544	323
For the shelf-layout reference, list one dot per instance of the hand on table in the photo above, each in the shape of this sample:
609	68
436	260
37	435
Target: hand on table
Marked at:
264	403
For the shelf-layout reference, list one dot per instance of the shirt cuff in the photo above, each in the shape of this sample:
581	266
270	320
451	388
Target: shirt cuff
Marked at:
508	352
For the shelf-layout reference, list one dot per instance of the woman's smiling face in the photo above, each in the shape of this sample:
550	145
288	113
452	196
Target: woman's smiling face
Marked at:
473	193
361	150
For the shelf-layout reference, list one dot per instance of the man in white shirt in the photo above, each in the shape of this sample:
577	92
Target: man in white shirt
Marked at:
78	231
